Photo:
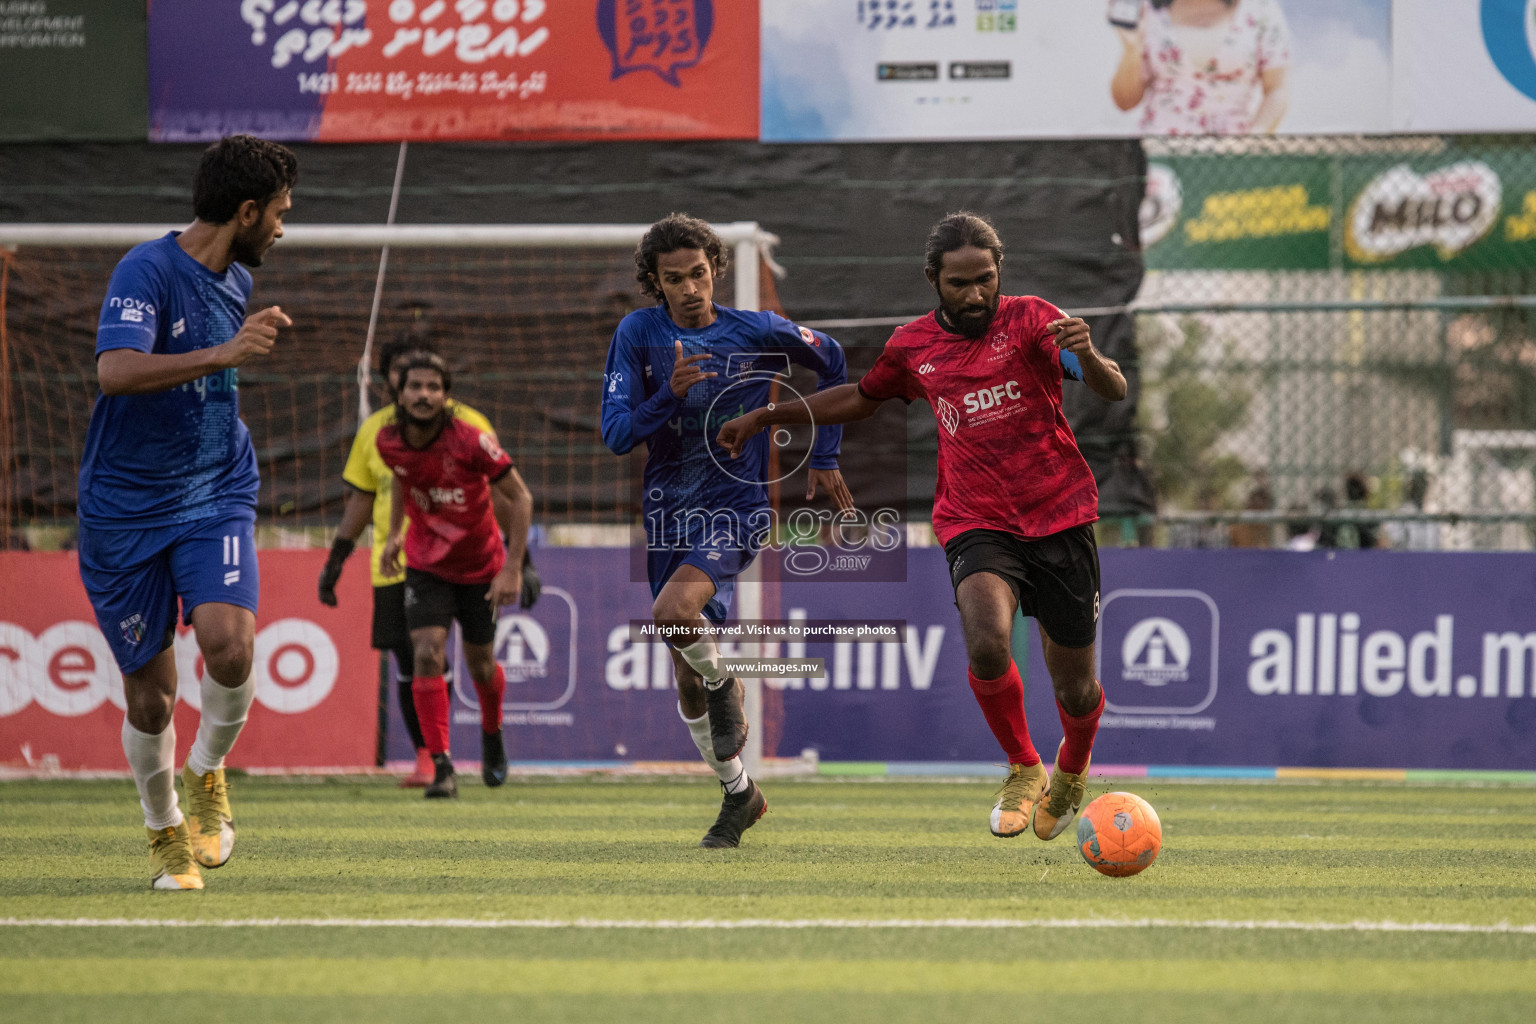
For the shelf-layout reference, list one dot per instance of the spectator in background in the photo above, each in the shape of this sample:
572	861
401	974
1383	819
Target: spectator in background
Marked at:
1357	495
1327	504
1414	535
1203	67
1260	499
1300	532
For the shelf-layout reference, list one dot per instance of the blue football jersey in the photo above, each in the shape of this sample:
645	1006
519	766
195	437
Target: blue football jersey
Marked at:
685	469
182	454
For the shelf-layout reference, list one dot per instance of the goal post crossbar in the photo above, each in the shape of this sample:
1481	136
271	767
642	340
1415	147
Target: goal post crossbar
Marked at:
747	238
397	235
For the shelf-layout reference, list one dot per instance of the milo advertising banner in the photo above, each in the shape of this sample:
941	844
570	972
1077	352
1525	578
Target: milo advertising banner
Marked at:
1460	209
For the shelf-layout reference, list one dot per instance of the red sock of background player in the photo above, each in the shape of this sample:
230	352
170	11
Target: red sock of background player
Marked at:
490	700
430	695
1002	702
1078	736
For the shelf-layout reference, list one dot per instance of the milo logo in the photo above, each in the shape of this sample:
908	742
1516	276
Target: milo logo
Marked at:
1451	209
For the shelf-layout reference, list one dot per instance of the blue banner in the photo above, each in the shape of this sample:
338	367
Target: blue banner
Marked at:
1232	658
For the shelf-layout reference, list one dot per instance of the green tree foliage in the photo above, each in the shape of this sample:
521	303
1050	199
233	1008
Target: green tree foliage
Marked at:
1190	408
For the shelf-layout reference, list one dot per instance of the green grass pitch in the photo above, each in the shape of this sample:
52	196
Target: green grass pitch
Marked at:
851	901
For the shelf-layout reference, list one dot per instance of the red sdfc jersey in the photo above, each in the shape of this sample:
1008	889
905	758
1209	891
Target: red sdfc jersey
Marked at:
1007	458
447	486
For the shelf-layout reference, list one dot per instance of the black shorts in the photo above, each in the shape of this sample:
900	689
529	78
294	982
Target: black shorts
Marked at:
389	628
1055	578
433	601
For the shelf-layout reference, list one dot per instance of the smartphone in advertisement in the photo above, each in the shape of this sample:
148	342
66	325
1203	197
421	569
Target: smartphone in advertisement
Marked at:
1125	13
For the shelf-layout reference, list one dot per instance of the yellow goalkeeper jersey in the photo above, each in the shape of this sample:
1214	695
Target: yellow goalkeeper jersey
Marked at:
366	471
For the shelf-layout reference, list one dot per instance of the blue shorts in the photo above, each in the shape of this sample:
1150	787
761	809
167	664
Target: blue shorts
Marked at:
722	554
134	577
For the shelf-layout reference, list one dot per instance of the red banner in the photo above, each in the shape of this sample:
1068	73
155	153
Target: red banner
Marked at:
378	70
61	694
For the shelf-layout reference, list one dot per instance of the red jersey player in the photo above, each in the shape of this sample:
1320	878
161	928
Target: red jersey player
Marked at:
456	567
1015	501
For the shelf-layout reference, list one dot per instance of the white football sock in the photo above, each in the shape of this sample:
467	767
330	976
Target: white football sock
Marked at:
703	656
152	759
224	712
732	773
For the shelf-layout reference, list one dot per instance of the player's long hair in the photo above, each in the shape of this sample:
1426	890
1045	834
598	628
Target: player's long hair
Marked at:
424	360
412	339
673	232
957	231
238	168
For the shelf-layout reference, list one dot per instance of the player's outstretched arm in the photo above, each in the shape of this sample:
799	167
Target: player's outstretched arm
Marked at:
1100	373
126	371
842	404
507	585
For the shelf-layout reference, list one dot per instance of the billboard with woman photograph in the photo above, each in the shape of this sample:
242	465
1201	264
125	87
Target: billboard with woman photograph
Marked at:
938	69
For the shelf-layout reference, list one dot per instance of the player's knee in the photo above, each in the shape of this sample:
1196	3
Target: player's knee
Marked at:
481	666
1076	688
149	709
430	660
989	657
229	658
669	611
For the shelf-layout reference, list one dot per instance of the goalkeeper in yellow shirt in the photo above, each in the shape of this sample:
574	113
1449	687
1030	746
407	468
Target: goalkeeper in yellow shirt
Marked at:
368	496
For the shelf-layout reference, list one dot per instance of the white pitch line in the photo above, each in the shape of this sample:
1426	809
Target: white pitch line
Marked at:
1502	928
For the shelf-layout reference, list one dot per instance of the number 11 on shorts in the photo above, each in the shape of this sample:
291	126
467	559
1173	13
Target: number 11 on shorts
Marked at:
232	558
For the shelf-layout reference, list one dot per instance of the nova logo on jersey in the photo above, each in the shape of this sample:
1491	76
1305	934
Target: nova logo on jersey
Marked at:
991	398
133	310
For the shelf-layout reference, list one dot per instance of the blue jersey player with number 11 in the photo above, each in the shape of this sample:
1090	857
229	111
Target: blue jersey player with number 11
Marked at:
168	490
676	371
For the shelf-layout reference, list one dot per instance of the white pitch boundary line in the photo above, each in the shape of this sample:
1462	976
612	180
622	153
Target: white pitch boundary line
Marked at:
705	924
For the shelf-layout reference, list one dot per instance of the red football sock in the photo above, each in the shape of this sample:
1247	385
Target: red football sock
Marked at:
1078	736
490	700
1002	702
430	695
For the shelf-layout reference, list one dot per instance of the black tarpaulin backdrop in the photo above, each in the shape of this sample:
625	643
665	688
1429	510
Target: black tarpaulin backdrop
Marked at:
852	219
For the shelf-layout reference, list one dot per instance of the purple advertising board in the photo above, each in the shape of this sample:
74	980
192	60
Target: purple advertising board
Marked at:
1231	658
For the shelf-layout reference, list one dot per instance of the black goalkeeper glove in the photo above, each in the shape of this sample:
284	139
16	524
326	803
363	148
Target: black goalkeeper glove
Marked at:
532	585
331	574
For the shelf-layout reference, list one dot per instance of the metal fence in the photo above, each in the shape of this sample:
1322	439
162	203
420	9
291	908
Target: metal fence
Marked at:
1336	342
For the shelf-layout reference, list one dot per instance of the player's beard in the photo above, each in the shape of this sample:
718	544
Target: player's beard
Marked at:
431	424
971	321
249	247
